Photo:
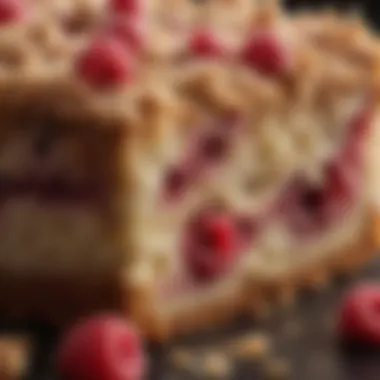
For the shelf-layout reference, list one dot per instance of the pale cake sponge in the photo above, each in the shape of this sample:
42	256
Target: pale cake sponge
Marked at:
279	196
181	163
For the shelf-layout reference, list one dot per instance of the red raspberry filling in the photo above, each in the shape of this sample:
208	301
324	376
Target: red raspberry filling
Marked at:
10	11
265	53
360	123
303	207
101	348
210	245
208	150
353	151
213	147
311	209
204	44
359	315
177	181
105	63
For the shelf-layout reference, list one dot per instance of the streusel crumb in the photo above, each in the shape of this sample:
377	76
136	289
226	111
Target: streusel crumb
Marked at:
217	365
255	346
182	358
277	369
14	357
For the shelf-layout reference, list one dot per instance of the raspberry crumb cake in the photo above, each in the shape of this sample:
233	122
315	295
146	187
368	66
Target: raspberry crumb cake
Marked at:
182	161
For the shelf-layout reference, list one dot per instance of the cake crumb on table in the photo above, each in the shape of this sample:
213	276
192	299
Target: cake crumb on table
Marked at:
329	322
252	346
277	369
263	311
181	358
217	365
14	356
293	329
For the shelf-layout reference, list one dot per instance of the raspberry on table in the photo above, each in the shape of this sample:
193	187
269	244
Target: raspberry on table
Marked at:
359	315
101	348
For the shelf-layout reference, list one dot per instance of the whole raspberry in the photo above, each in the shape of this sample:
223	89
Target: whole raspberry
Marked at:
105	63
210	246
265	53
359	315
101	348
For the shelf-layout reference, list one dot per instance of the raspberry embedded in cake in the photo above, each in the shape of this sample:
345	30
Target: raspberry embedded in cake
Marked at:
211	245
204	43
266	53
126	7
105	63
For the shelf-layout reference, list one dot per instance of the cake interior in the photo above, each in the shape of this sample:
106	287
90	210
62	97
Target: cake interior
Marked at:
207	233
57	193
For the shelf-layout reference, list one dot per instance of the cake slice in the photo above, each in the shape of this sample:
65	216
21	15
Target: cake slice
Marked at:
74	97
180	164
269	188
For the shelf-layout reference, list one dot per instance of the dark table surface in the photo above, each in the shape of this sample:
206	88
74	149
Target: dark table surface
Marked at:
312	349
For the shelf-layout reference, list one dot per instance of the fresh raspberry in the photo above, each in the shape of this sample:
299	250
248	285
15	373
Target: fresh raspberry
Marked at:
128	31
101	348
359	315
210	245
205	44
105	63
126	7
10	11
265	53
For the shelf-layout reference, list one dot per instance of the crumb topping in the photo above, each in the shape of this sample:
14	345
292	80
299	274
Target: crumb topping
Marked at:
317	54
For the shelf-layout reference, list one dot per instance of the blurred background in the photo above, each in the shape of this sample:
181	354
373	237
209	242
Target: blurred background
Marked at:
371	8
